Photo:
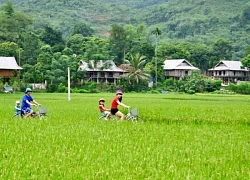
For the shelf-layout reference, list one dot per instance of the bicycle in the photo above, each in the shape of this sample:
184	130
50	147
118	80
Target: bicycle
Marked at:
111	117
18	115
42	112
133	115
21	115
103	116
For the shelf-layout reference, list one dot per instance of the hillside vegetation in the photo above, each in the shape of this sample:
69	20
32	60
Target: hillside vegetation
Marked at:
188	20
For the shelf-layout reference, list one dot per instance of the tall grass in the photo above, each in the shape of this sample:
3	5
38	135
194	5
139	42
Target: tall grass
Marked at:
182	137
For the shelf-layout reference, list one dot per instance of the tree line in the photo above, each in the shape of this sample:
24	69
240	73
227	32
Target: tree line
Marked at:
45	54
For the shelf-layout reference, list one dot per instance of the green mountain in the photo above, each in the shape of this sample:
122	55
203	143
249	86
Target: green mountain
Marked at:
180	20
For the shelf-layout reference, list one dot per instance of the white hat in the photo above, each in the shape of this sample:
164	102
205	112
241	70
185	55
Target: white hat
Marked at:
17	102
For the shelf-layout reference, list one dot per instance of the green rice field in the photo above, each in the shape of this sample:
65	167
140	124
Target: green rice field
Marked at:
182	137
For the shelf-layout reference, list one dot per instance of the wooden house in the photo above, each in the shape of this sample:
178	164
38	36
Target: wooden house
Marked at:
101	71
177	68
8	66
229	71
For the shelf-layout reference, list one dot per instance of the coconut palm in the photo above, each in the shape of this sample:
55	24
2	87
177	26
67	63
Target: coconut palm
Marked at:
134	66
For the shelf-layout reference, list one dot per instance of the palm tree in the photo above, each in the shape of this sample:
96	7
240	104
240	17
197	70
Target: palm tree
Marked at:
135	66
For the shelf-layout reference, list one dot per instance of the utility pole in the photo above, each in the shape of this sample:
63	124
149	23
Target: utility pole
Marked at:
19	57
157	32
19	63
69	84
156	46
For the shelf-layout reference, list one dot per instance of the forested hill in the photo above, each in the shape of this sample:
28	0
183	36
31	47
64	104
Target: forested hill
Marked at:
188	20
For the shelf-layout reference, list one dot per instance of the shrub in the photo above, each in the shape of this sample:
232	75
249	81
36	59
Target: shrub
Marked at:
154	92
169	84
223	91
94	91
242	88
232	87
61	88
51	88
212	85
82	91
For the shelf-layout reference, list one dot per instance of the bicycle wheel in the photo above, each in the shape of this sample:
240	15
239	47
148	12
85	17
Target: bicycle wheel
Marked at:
17	116
133	119
101	118
129	118
43	117
139	119
113	118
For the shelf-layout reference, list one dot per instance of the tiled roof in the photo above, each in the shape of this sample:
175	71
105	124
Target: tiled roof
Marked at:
229	65
107	65
8	63
181	64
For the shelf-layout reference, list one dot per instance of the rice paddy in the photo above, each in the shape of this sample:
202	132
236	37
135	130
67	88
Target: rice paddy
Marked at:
182	137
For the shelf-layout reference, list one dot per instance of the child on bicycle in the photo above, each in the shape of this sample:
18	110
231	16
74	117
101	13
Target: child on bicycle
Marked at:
114	105
18	108
104	112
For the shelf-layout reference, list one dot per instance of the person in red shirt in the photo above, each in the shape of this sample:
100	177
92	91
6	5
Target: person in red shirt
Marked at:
104	112
114	105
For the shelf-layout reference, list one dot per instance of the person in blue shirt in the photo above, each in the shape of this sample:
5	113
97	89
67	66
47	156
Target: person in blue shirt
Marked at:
27	102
